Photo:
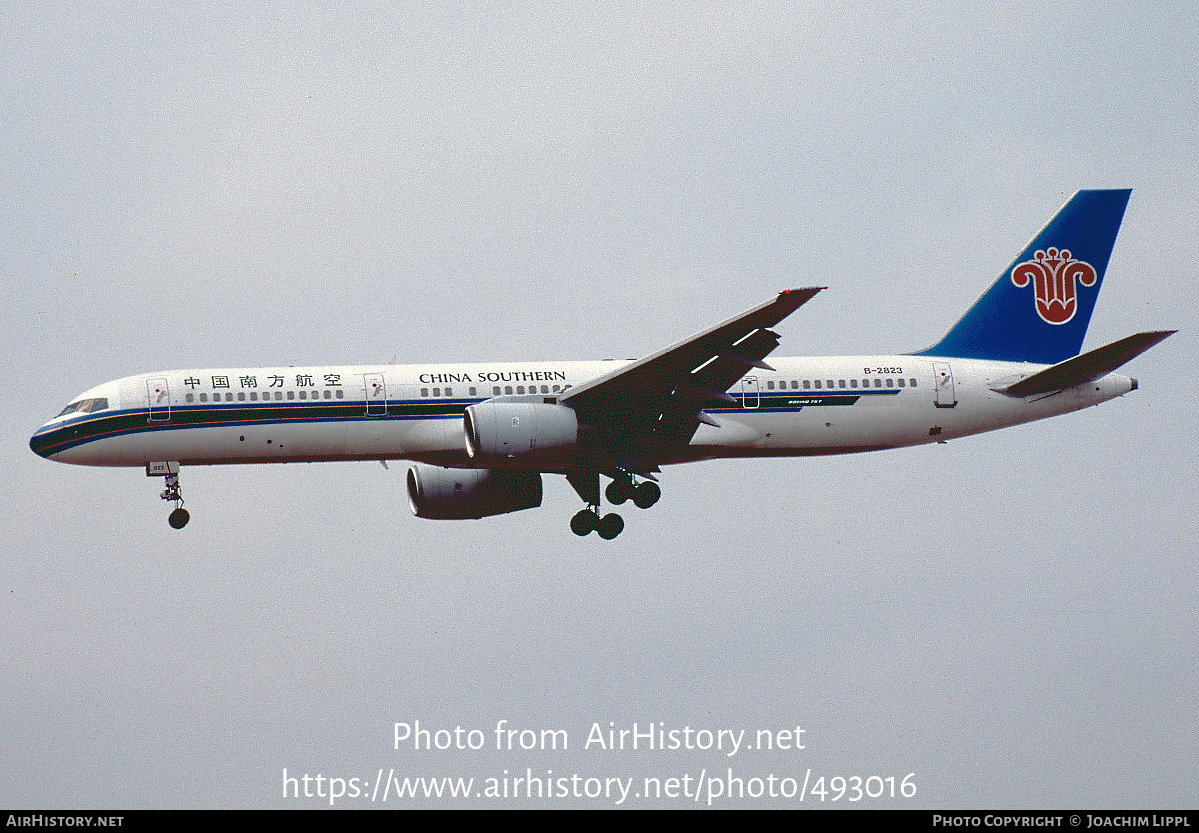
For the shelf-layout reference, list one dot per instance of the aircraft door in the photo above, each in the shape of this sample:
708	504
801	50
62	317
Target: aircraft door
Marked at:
946	396
158	399
376	394
750	392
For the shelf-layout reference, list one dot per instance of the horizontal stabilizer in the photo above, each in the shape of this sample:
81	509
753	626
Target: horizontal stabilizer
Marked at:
1087	367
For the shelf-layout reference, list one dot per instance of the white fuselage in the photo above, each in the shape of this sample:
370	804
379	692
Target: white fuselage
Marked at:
804	406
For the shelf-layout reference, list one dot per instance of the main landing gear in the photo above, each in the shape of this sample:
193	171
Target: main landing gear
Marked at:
644	494
587	520
170	472
622	488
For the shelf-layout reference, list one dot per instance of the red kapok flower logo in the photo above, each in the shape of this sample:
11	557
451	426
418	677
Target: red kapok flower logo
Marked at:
1053	275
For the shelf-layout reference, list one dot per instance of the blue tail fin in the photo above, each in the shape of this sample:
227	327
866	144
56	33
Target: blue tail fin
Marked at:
1039	308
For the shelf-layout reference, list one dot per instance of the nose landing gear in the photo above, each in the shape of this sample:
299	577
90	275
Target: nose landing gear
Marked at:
171	491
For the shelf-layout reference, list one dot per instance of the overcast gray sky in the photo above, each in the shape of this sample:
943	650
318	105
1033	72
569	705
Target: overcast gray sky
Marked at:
1010	617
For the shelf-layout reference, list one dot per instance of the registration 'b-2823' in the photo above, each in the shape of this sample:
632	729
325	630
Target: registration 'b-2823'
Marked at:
482	436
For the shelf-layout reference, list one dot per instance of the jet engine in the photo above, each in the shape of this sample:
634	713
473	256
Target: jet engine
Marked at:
459	494
507	433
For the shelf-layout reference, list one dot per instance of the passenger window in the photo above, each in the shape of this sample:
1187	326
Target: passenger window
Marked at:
495	391
853	383
890	382
188	397
912	382
878	383
291	394
437	391
507	390
424	391
817	384
241	397
840	383
341	394
473	391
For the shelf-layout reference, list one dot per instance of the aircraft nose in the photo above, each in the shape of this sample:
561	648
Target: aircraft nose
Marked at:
40	443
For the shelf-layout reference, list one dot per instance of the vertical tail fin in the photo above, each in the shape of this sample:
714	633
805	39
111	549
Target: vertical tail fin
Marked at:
1039	308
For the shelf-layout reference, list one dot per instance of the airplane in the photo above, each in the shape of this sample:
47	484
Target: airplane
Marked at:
481	436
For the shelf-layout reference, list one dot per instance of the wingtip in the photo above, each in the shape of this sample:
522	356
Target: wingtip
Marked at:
1155	337
793	299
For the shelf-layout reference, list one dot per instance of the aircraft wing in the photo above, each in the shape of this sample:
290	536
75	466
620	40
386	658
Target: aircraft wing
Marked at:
659	401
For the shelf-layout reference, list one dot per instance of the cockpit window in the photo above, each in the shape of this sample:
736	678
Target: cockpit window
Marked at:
86	406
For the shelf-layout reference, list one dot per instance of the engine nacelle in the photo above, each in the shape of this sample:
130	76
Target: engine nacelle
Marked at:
461	494
502	432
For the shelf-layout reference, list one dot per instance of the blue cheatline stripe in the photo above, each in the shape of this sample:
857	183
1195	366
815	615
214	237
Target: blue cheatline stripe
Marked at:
90	428
78	432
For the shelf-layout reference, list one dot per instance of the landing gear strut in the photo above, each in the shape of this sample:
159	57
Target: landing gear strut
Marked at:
172	492
622	488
